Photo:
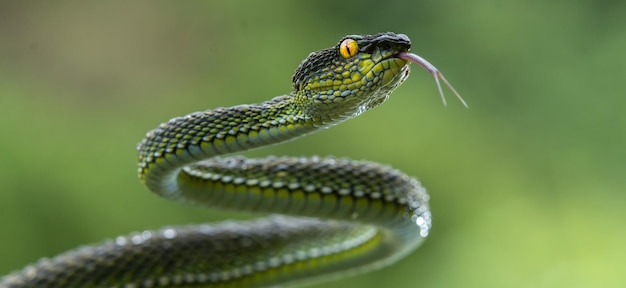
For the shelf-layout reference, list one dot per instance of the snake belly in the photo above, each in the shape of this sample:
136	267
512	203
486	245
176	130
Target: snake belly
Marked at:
333	216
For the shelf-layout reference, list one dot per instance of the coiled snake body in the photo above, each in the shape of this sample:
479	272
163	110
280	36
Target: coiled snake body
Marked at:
344	216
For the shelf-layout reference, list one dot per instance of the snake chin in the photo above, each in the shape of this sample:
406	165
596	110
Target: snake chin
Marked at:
392	78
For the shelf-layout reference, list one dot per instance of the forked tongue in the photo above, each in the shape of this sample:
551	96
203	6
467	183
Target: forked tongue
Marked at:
433	71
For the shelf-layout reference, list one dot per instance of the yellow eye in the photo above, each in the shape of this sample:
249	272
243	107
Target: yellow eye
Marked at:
348	48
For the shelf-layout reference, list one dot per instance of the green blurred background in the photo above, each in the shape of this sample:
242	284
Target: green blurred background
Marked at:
527	186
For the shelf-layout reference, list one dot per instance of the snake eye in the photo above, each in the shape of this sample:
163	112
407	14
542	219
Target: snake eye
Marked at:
348	48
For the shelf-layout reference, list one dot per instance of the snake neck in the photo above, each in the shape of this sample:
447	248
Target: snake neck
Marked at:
201	135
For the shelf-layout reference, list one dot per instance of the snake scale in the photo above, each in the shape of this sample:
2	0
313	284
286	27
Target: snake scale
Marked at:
333	216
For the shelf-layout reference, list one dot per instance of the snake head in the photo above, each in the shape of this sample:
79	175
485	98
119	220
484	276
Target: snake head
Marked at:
353	76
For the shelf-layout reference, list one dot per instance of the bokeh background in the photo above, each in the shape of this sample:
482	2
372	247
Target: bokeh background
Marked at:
527	186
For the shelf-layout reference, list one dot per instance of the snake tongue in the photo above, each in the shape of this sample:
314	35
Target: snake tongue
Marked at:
433	71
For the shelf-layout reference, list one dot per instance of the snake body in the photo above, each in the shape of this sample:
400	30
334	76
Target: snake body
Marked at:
338	216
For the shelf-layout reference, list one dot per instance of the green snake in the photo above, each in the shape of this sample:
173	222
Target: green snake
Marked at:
337	216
